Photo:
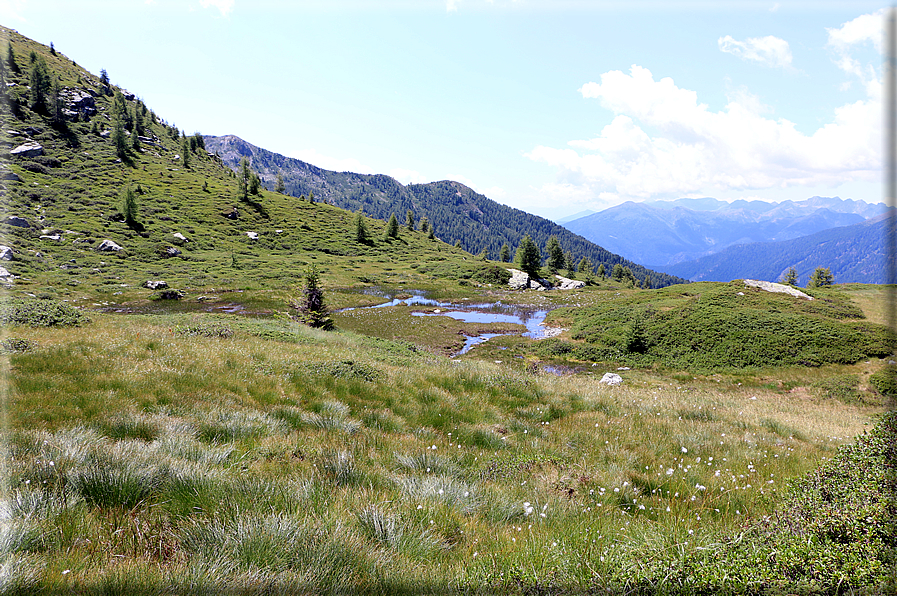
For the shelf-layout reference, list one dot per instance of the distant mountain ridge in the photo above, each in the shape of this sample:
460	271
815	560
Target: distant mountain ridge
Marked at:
457	212
855	253
663	233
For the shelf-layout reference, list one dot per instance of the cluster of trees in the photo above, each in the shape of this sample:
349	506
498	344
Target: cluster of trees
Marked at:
821	276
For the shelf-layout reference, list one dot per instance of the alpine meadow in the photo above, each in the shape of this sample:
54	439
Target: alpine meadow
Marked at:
215	388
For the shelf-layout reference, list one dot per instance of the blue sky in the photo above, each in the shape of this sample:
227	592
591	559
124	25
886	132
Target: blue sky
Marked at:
550	106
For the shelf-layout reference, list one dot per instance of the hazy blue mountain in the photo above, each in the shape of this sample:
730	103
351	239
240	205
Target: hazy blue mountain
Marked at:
855	253
664	233
574	217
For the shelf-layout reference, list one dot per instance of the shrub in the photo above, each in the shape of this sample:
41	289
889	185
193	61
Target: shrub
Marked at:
885	380
12	345
40	313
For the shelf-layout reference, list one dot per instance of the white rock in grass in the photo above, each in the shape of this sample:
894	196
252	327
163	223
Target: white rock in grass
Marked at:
109	246
253	235
611	379
4	274
6	253
155	284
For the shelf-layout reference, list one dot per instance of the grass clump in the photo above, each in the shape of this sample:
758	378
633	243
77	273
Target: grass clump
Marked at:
15	345
40	313
206	329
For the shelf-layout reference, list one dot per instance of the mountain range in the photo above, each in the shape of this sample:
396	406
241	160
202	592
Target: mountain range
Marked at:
706	238
457	213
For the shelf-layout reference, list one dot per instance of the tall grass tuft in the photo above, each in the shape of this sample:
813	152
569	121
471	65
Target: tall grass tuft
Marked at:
116	484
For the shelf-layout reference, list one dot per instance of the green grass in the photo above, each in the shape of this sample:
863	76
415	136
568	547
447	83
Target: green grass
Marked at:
339	461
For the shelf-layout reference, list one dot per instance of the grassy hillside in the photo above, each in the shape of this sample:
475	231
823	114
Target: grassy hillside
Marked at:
71	197
457	212
712	327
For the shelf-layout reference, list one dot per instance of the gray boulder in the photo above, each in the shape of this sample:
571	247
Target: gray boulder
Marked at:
12	176
6	253
253	235
53	237
109	246
156	284
611	379
172	252
180	238
78	103
29	149
4	274
519	280
565	283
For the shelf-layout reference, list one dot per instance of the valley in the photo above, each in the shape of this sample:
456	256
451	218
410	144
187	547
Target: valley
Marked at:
170	426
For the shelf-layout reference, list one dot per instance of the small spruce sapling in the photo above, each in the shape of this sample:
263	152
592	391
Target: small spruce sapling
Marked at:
312	309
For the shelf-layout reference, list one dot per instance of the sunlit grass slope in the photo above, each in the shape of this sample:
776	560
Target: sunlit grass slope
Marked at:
205	453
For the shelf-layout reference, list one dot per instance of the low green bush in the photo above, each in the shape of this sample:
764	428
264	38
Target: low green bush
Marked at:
40	313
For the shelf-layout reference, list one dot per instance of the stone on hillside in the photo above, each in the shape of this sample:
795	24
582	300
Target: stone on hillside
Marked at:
565	283
172	252
12	176
155	284
109	246
778	288
6	253
179	238
78	102
5	274
19	222
253	235
611	379
232	214
54	237
519	280
106	134
29	149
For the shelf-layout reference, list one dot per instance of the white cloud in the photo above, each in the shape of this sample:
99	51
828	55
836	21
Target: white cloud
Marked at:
224	6
769	50
860	31
865	28
12	9
451	5
691	149
348	164
408	176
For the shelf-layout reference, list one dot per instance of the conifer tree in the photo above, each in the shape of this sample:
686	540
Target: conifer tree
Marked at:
40	85
647	283
424	224
311	198
185	153
569	263
56	103
361	229
602	272
129	207
392	227
255	184
790	277
119	140
617	272
431	233
821	277
528	257
505	255
279	186
312	309
104	77
409	220
555	254
243	180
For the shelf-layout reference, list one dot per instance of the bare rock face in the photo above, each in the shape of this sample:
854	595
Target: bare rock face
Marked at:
4	274
779	288
109	246
611	379
519	280
29	149
155	284
6	253
79	103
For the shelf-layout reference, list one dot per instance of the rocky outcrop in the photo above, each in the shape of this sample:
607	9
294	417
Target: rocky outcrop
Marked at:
232	213
79	103
778	288
6	253
109	246
180	238
521	280
4	274
155	284
565	283
29	149
611	379
172	252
